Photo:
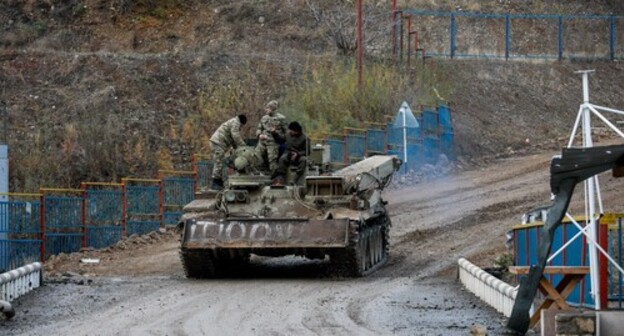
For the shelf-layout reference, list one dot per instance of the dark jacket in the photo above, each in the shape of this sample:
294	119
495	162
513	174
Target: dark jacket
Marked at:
299	144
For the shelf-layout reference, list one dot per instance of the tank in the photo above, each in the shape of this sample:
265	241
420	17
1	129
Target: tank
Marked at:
340	216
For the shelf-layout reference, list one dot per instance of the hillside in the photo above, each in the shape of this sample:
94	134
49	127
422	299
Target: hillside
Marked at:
97	90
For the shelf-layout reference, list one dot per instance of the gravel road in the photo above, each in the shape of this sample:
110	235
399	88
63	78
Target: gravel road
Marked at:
142	290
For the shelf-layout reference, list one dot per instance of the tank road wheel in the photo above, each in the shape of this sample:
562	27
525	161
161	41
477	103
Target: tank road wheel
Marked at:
198	263
366	254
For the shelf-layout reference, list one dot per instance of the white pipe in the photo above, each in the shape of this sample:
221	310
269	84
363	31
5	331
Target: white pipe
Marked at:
598	194
404	137
606	109
604	253
576	125
599	115
554	255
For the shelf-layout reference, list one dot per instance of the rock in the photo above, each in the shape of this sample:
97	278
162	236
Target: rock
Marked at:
443	161
133	236
478	330
70	274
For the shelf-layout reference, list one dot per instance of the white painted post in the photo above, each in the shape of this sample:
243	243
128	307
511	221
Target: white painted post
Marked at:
591	187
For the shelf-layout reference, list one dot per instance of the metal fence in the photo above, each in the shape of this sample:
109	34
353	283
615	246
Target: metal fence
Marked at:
20	230
526	240
142	197
104	216
63	221
425	143
178	189
97	215
507	36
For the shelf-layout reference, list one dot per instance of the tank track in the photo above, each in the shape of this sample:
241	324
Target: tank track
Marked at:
207	263
367	251
198	263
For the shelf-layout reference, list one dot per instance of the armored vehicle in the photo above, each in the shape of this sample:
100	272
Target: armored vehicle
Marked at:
341	215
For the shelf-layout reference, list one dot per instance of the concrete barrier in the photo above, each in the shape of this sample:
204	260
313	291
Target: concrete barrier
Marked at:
20	281
498	294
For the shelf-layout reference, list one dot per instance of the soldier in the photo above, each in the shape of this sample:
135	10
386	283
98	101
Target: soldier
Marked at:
271	123
297	149
225	137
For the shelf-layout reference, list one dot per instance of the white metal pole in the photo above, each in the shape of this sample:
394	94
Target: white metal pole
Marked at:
576	125
404	136
591	195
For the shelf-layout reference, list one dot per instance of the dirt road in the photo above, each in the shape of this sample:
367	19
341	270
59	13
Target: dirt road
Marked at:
137	291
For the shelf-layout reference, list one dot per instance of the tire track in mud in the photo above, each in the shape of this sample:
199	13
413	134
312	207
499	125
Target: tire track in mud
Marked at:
446	187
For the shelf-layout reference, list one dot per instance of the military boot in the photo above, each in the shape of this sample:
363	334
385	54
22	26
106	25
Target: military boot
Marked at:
217	184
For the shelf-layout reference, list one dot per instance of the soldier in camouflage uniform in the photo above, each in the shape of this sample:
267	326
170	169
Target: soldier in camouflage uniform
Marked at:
271	122
225	137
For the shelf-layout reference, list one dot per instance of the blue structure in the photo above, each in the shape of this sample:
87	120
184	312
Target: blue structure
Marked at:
512	47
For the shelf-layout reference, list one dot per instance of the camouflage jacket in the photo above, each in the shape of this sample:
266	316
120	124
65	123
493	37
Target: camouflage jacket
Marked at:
228	134
277	122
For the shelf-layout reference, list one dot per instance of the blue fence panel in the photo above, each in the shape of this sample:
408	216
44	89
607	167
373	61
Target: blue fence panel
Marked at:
171	217
63	212
446	144
63	220
356	146
142	227
178	191
558	240
532	252
526	255
20	234
486	32
56	243
395	137
431	150
142	200
336	150
550	36
414	156
521	256
445	120
204	174
104	207
102	236
104	217
143	209
430	123
15	253
376	140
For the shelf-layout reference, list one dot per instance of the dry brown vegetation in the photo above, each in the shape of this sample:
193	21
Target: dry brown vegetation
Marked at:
101	89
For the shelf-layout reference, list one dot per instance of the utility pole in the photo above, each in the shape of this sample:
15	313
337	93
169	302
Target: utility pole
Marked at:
360	47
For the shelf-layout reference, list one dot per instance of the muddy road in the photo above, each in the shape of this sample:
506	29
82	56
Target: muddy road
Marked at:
141	290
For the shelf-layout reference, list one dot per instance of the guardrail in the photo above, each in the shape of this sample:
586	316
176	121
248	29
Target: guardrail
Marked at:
16	283
498	294
19	281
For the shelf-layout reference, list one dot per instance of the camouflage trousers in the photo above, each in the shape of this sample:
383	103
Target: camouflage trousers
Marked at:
271	150
217	155
286	161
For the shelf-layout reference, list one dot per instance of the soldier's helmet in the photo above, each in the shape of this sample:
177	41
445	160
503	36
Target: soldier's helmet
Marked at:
273	105
240	163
